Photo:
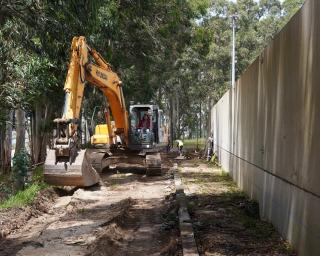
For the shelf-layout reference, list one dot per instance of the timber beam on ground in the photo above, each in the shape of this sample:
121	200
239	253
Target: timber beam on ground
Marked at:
189	245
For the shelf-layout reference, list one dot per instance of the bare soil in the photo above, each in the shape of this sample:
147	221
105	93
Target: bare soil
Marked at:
225	221
131	214
127	214
14	218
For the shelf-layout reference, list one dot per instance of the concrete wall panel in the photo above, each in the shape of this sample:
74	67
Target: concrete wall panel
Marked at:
267	130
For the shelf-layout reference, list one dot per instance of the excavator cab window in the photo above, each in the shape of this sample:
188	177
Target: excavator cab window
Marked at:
141	119
141	127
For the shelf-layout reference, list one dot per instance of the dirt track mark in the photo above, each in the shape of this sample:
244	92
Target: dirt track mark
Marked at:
130	215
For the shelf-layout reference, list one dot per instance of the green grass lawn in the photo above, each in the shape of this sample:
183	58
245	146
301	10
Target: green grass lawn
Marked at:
192	143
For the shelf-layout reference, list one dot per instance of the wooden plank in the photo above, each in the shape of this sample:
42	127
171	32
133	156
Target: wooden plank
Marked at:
189	245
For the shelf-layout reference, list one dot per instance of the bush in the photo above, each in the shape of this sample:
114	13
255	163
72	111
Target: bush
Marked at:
20	166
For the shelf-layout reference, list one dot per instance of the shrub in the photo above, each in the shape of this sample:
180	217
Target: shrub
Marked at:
20	166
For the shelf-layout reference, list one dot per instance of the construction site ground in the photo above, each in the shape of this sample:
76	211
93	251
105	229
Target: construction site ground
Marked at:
129	213
225	221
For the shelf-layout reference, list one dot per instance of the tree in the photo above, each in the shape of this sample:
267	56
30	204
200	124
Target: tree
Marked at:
174	52
204	66
290	7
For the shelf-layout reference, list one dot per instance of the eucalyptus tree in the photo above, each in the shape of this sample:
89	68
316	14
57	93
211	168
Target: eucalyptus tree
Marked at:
176	53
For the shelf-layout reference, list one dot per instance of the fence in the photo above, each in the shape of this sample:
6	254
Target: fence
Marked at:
267	130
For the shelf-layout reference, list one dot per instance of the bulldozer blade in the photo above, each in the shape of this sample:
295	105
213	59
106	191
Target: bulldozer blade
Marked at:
80	173
153	165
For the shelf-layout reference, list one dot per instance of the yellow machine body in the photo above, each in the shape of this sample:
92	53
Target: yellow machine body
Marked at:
101	135
69	165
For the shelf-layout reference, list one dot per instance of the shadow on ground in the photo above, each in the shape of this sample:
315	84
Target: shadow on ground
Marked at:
225	221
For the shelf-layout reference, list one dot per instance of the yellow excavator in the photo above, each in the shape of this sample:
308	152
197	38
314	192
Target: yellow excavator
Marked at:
141	133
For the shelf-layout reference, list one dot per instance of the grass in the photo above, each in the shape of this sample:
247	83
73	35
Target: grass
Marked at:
192	143
37	175
27	195
23	197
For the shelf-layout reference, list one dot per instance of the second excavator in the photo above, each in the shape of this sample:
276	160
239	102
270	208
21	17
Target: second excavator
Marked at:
142	132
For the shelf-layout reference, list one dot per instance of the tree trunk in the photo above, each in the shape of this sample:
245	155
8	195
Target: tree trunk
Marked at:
36	133
209	122
197	132
6	146
20	130
200	121
20	145
172	136
40	137
177	116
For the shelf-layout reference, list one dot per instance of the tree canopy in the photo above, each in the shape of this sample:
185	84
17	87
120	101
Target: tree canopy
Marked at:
173	52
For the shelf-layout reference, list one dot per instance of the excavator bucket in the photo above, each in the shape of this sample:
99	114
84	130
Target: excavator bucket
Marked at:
80	173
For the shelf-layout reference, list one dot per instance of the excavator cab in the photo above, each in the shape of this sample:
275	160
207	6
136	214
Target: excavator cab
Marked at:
147	128
141	135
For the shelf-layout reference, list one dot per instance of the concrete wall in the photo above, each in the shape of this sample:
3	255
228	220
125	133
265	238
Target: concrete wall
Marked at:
267	131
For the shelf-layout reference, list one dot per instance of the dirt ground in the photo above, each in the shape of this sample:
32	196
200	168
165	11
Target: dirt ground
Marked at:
225	221
12	220
129	214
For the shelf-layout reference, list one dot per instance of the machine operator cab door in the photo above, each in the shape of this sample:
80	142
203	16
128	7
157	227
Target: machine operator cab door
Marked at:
145	127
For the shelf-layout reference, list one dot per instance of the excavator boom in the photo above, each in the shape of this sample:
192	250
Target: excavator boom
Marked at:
67	164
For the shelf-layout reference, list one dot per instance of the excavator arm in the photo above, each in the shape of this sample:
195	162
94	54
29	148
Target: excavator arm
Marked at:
81	70
66	163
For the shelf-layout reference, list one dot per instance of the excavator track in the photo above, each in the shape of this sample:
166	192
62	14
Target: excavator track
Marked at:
83	172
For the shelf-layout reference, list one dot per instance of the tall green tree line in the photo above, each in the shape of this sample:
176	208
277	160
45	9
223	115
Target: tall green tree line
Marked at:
203	70
174	52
